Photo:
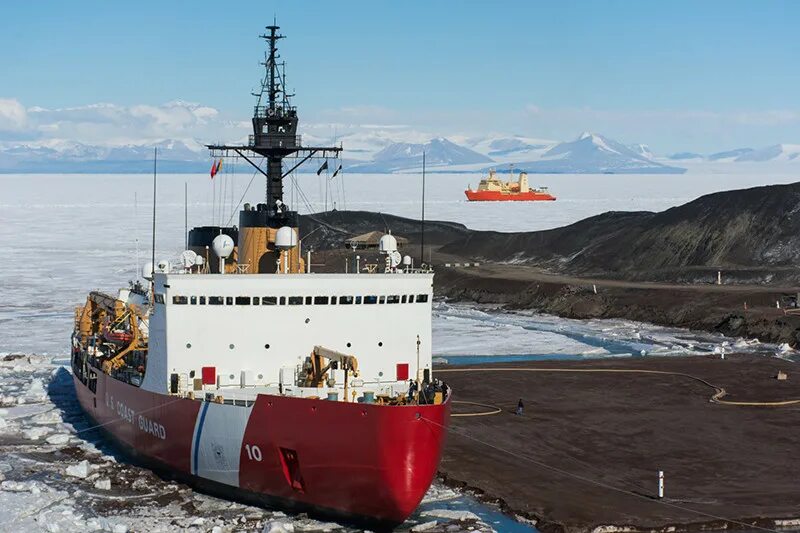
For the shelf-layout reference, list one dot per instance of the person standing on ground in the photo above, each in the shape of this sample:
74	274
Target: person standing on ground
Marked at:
519	407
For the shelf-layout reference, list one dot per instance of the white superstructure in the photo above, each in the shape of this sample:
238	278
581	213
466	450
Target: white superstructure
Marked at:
257	331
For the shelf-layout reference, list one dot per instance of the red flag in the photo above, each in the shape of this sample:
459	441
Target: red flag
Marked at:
214	169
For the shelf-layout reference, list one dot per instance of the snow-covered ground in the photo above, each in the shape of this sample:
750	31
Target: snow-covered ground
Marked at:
466	333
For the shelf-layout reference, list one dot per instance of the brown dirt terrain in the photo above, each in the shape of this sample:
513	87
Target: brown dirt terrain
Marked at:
587	450
735	310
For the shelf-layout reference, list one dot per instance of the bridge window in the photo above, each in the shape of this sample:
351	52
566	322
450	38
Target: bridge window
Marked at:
404	299
202	300
242	300
256	300
308	300
320	300
393	299
333	300
345	300
422	298
358	300
295	300
229	300
193	300
215	300
180	300
283	300
371	299
159	298
269	300
382	300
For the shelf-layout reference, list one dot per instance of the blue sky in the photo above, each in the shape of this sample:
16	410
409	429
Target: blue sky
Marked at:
677	75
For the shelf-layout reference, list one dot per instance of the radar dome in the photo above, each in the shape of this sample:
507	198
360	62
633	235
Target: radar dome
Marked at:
387	244
164	266
222	245
147	271
285	238
407	260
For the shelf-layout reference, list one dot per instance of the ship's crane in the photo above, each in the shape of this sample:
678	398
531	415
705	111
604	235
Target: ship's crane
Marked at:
317	368
114	321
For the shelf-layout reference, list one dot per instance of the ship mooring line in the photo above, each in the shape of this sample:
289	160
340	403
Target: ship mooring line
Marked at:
717	397
494	409
596	482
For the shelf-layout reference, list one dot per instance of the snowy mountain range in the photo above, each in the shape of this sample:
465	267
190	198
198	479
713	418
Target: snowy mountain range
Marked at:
591	153
377	152
776	152
439	152
73	157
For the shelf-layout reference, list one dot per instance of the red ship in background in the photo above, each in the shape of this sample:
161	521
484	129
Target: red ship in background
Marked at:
492	189
238	370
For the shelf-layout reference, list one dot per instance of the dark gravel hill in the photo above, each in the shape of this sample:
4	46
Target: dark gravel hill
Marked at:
758	227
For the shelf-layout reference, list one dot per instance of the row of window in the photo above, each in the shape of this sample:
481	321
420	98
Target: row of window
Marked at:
296	300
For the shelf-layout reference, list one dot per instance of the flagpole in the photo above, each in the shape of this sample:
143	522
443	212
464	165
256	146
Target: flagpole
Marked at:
153	248
213	196
422	236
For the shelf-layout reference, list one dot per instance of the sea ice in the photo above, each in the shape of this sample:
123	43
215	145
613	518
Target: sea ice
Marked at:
35	433
278	526
451	514
105	484
58	438
80	470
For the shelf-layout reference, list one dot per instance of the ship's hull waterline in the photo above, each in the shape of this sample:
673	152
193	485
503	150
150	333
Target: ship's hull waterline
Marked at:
499	196
360	463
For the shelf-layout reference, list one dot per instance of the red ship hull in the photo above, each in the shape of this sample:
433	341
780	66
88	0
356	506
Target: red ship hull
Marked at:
363	463
498	196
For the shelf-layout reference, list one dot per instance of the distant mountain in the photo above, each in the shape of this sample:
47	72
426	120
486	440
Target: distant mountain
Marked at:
777	152
404	156
643	150
73	157
683	156
729	155
591	153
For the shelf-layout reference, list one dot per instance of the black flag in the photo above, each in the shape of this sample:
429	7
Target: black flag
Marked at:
337	171
323	167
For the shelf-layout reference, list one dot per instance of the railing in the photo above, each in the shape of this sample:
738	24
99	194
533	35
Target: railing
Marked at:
274	141
263	111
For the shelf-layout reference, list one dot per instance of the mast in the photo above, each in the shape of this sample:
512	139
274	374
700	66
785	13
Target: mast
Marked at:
274	134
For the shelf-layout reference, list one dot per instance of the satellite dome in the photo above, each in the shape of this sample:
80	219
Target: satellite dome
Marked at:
189	258
222	246
387	244
147	271
164	266
285	238
407	260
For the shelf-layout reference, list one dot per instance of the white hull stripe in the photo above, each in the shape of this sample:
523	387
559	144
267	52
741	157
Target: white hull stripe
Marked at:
198	431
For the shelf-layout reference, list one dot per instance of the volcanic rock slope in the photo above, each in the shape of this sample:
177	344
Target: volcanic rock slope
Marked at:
755	227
